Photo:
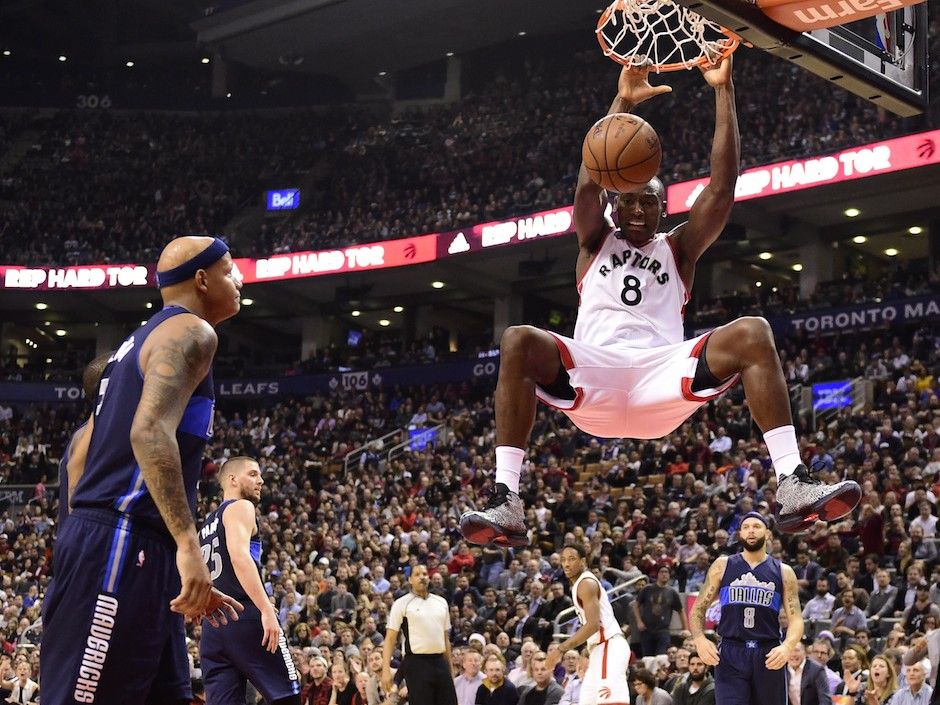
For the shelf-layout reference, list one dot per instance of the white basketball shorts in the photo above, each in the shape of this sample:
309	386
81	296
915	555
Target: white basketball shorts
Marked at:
623	392
605	682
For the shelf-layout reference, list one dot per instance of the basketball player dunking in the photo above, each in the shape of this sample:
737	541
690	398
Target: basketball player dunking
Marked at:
128	566
605	682
627	373
254	647
751	588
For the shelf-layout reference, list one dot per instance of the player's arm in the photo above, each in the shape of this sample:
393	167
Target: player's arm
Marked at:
589	594
239	522
710	212
78	453
590	200
706	596
777	657
175	358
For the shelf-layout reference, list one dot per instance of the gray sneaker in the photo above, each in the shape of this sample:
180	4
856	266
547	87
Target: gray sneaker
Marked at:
802	500
500	523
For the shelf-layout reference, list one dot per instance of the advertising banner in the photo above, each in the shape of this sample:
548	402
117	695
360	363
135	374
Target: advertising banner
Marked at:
860	317
885	157
272	387
832	395
501	233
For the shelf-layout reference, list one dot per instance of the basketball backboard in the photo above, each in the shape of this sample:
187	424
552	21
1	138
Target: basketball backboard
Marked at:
882	58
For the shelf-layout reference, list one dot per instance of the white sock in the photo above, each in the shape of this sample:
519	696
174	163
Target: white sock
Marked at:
784	450
509	466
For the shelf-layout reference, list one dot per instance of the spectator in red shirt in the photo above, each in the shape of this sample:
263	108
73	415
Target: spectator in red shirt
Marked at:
462	559
320	688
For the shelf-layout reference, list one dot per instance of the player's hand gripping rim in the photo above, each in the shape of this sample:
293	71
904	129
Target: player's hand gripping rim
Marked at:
634	87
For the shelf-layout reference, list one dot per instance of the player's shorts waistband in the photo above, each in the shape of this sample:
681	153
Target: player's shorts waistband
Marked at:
111	518
425	656
751	643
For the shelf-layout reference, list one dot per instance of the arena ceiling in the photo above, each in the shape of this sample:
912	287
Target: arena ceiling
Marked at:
356	39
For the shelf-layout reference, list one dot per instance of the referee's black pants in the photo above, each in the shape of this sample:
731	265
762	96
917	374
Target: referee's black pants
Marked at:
429	680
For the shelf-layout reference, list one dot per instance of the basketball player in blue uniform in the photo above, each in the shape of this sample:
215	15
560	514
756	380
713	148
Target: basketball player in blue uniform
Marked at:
128	566
77	446
751	587
253	648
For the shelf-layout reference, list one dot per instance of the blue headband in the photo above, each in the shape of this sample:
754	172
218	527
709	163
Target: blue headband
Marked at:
756	515
209	256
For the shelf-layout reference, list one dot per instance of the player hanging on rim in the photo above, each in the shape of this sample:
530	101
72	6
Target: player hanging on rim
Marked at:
751	587
627	373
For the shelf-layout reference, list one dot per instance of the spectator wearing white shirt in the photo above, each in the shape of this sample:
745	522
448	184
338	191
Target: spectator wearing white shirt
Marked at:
721	443
820	607
926	520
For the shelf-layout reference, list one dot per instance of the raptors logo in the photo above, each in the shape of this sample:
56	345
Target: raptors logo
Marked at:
603	692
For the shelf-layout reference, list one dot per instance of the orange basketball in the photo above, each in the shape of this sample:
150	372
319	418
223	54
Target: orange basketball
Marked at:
621	152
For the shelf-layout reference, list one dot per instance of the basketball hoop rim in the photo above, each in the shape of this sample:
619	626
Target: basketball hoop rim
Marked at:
726	49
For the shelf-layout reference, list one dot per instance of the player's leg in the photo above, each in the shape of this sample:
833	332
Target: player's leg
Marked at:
733	675
592	678
172	684
223	682
106	628
272	674
528	357
768	687
746	346
613	688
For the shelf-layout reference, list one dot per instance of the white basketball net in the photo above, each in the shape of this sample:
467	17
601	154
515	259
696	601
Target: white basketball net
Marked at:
661	34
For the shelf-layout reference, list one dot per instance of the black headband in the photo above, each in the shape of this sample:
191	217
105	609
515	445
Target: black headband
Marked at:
209	256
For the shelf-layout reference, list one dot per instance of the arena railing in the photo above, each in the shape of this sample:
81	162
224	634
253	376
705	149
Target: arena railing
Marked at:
567	617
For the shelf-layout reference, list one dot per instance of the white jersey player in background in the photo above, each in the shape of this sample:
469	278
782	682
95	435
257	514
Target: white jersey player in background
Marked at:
627	372
605	682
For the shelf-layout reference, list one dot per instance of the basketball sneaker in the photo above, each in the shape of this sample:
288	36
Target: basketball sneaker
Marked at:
500	523
802	500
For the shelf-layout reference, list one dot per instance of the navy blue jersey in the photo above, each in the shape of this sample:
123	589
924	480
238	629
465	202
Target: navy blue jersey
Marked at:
216	554
751	599
112	478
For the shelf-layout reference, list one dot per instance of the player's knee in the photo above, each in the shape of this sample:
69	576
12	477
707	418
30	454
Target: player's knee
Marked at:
754	333
516	341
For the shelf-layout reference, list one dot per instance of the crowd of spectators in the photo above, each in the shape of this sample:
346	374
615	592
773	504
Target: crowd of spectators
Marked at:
341	538
106	186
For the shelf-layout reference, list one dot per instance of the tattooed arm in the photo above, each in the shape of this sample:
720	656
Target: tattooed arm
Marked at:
791	601
174	359
777	657
706	596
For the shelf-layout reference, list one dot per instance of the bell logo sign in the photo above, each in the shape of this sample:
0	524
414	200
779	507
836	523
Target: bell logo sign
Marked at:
284	200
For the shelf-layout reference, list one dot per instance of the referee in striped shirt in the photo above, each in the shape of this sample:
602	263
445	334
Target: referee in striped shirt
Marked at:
423	619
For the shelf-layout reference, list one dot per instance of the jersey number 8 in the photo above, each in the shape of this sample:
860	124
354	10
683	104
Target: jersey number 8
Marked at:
631	294
748	617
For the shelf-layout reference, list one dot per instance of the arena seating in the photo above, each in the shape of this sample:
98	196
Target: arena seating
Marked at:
614	494
97	186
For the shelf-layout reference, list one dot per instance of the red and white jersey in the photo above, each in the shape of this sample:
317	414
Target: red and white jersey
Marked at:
609	625
632	296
